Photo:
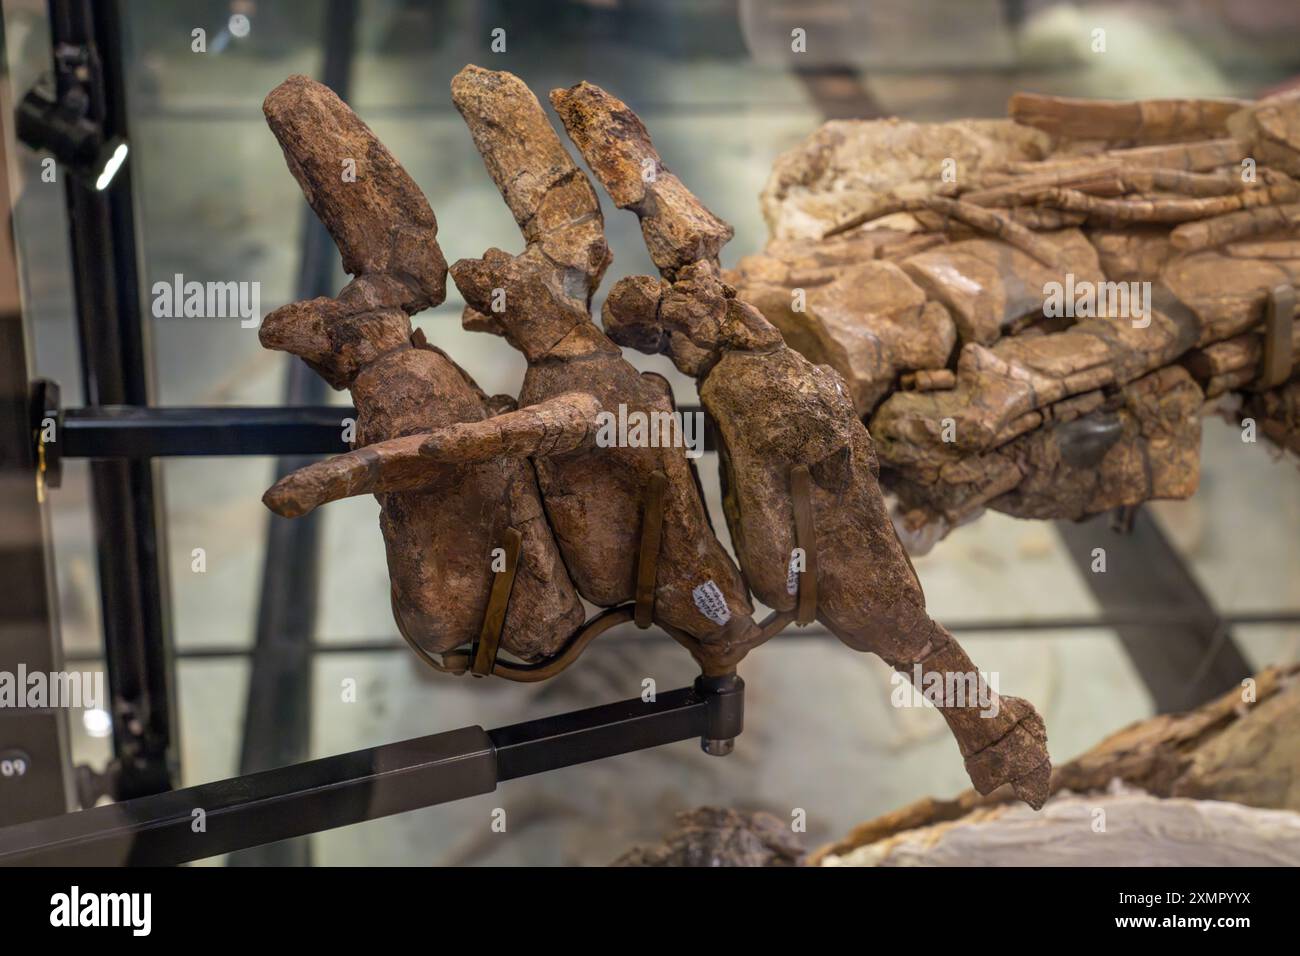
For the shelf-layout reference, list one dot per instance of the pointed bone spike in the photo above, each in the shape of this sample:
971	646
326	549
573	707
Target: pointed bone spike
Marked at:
550	198
376	213
551	427
677	228
393	465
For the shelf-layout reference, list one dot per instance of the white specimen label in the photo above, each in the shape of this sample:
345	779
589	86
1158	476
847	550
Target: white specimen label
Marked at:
792	574
711	603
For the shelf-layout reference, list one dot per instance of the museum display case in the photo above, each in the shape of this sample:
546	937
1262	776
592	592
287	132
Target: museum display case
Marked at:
673	434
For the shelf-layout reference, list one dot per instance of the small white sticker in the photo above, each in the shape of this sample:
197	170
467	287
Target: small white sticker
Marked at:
798	565
711	603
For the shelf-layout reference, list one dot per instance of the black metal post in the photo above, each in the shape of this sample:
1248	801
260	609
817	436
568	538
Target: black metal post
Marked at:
114	365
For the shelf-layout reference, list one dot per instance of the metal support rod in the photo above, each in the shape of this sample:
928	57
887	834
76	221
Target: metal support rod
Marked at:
127	432
114	364
1183	650
131	432
215	818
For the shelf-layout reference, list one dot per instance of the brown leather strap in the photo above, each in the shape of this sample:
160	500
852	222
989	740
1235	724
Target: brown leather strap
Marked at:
1278	315
805	536
572	649
652	522
452	662
774	624
494	618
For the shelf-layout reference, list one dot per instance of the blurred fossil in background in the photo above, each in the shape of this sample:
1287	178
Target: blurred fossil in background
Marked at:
712	836
1033	314
1219	785
1216	785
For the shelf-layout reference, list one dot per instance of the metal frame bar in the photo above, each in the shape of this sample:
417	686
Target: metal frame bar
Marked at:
114	365
129	432
263	808
125	432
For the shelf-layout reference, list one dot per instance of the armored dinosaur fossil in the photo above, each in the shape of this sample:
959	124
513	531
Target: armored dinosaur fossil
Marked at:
783	420
983	287
594	496
440	522
440	456
443	519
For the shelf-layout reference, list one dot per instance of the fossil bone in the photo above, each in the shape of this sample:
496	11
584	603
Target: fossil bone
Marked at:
594	496
440	522
776	412
1162	226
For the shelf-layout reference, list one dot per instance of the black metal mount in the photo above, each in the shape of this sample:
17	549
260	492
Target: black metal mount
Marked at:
59	114
135	432
79	114
204	821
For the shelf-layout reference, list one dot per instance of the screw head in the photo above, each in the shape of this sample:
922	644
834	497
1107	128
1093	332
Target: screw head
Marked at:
717	748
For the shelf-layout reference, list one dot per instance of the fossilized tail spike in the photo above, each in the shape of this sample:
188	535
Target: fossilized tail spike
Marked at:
677	228
378	216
